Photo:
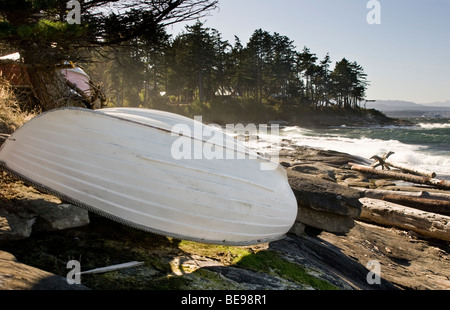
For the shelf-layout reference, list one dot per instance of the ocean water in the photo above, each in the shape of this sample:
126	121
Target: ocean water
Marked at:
425	145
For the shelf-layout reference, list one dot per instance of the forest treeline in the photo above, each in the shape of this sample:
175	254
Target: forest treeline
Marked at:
199	72
127	48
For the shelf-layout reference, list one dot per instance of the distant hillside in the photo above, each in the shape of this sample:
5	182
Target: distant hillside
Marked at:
439	104
398	108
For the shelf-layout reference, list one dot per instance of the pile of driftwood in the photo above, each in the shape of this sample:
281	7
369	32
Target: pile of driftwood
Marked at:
426	213
407	173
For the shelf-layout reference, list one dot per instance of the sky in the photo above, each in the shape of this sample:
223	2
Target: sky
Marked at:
405	55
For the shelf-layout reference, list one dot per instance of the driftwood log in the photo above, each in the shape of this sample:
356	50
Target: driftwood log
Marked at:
390	214
443	184
430	202
411	170
385	165
380	193
425	204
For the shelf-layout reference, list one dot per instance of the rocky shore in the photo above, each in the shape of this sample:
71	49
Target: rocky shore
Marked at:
329	247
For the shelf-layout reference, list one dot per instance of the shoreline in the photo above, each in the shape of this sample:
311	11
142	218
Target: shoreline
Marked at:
102	241
345	240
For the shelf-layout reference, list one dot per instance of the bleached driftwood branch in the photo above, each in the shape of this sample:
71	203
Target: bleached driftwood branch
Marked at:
113	268
443	184
386	165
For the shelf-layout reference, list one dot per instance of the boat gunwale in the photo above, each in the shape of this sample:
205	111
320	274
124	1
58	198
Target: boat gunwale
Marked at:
97	112
226	147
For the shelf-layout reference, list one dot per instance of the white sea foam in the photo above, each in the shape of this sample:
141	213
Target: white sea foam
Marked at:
415	155
434	125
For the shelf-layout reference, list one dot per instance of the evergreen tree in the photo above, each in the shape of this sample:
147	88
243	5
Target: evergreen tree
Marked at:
270	62
197	63
349	83
308	69
155	73
322	81
282	68
360	83
258	53
38	29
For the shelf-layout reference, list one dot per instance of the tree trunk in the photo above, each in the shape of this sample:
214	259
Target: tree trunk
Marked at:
390	214
200	86
50	89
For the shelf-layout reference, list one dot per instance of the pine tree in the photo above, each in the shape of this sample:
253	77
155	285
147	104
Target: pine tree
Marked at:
308	69
349	83
197	62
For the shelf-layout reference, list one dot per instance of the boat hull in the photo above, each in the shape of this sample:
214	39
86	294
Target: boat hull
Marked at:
121	163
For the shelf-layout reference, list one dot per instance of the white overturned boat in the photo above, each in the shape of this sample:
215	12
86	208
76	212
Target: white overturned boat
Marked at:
143	168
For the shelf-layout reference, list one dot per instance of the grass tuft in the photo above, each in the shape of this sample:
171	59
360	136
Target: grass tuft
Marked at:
12	116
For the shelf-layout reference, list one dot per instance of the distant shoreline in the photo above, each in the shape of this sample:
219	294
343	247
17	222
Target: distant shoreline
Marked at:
362	118
404	109
326	117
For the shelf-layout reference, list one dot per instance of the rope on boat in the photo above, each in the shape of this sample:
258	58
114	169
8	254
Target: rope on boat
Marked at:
3	137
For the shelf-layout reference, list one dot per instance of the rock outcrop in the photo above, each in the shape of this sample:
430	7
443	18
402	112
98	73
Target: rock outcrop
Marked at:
15	225
324	204
17	276
337	257
59	217
24	210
